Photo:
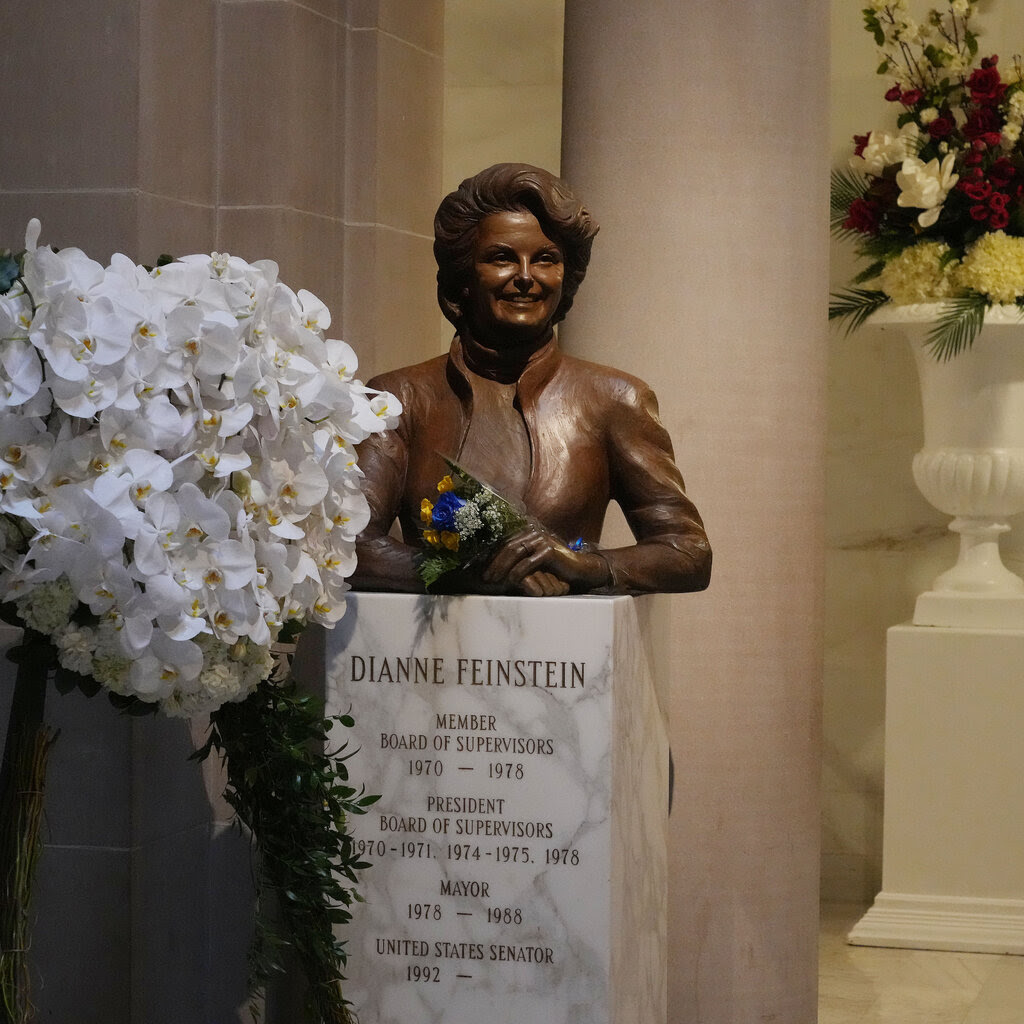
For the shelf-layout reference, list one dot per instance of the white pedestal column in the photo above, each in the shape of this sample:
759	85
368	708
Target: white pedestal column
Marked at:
953	846
519	857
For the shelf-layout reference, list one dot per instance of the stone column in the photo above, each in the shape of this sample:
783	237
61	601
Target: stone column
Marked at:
696	134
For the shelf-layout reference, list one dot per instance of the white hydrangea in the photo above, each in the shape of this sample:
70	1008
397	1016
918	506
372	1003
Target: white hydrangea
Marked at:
48	606
75	646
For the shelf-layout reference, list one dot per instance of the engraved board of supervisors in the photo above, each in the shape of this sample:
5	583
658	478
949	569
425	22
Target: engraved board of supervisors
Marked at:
490	831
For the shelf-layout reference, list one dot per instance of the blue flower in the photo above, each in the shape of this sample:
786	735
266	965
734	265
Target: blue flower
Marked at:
445	507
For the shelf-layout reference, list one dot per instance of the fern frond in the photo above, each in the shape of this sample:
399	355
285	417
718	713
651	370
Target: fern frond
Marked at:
869	273
855	305
955	330
846	186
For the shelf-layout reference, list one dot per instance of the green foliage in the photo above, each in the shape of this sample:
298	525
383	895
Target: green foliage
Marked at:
872	24
9	271
296	799
870	272
957	327
855	306
846	186
435	564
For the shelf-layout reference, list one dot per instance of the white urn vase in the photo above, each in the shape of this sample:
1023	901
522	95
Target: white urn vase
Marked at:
972	464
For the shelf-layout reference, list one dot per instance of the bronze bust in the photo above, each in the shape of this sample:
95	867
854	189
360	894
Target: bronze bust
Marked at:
561	436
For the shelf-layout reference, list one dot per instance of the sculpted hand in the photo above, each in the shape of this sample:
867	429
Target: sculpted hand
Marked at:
537	563
544	584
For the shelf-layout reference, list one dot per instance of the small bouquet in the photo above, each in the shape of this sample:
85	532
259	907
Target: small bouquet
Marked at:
467	522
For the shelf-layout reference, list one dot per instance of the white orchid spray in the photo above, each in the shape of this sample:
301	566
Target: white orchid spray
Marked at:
177	468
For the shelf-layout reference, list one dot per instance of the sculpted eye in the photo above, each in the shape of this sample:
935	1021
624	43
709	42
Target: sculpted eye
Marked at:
549	257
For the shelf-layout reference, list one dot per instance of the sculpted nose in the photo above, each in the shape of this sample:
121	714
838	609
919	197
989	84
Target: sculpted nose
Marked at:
523	279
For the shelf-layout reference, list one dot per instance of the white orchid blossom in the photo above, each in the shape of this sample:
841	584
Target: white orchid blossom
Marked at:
926	185
177	453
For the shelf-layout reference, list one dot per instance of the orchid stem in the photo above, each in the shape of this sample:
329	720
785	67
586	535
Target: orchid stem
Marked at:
22	781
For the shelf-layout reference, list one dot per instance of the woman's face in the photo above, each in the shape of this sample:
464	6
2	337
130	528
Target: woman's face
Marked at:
515	285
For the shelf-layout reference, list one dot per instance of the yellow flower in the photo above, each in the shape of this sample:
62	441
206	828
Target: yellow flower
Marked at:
994	266
432	537
918	274
426	508
445	484
450	540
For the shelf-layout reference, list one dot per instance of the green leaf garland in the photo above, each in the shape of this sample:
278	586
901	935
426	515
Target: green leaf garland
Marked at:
295	797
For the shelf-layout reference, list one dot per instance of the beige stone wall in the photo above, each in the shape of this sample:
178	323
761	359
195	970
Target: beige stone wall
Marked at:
393	179
308	132
503	86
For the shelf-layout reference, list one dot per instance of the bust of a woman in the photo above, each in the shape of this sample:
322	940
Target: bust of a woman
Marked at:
561	436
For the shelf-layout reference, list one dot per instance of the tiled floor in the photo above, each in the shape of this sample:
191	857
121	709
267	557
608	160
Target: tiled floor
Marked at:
866	985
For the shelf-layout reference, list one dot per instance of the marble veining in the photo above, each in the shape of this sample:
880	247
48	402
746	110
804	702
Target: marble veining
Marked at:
526	881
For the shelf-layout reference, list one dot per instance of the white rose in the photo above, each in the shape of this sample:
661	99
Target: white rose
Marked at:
883	149
926	185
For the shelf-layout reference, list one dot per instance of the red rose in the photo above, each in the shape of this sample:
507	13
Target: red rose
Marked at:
998	201
860	142
893	94
998	220
911	97
978	191
941	127
1001	173
985	84
981	122
863	216
980	212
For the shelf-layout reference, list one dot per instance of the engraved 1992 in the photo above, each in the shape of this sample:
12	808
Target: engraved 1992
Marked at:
415	972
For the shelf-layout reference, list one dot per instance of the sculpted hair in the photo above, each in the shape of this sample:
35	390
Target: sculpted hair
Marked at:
500	189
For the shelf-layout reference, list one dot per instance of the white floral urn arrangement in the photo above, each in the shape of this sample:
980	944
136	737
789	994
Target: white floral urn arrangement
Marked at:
936	208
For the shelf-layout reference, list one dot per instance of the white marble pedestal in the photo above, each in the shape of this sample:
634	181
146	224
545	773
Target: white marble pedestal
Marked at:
519	858
953	845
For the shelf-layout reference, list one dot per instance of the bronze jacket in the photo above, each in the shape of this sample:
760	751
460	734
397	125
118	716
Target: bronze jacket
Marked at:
594	435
